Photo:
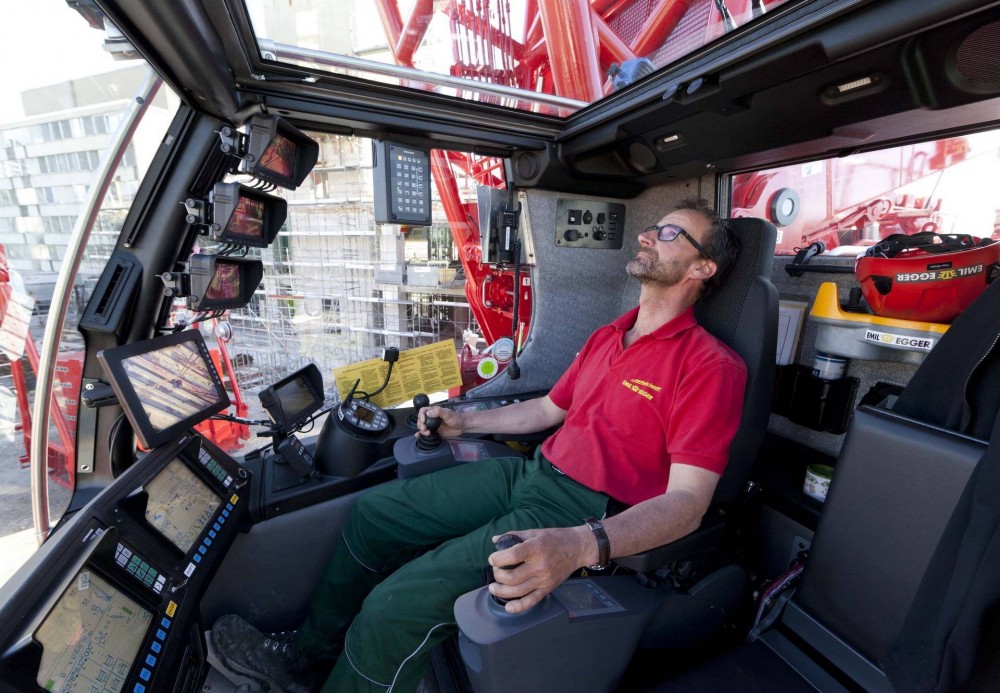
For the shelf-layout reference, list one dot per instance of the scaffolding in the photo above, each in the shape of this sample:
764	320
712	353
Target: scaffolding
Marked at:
337	287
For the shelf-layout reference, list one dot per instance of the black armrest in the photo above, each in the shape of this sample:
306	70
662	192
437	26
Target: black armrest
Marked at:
704	538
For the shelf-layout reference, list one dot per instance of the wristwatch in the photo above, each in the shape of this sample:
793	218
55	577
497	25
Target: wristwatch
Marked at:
603	544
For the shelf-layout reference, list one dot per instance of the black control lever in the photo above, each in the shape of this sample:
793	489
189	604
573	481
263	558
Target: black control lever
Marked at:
501	544
434	440
420	400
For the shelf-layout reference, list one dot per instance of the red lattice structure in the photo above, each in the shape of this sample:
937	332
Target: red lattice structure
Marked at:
567	48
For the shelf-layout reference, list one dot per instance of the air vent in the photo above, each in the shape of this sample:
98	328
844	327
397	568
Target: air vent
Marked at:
113	295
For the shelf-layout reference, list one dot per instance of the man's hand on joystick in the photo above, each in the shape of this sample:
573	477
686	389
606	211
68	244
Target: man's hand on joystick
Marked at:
502	543
432	440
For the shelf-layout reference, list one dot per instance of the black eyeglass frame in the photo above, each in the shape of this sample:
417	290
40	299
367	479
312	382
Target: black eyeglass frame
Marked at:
669	232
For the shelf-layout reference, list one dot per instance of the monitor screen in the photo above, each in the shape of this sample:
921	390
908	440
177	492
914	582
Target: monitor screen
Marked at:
247	220
225	283
278	152
244	216
91	637
222	282
180	505
294	398
165	385
278	158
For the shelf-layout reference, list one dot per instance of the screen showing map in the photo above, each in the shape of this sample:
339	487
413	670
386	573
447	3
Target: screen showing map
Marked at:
173	383
180	504
91	637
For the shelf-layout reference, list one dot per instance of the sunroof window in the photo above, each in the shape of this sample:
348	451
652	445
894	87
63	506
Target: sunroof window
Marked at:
546	56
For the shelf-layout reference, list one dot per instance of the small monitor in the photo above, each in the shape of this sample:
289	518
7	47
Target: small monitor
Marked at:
222	283
180	505
165	385
91	637
245	216
294	398
278	152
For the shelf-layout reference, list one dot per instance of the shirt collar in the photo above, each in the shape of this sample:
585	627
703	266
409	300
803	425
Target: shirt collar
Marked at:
683	321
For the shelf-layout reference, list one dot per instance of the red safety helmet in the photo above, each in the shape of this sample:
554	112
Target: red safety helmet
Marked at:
927	276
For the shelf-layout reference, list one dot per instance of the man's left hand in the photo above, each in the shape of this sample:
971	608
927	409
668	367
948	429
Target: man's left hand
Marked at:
547	557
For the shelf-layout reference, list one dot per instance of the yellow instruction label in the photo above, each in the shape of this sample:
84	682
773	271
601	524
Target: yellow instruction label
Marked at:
426	369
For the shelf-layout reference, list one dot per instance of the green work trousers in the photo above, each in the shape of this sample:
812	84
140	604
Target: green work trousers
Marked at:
410	549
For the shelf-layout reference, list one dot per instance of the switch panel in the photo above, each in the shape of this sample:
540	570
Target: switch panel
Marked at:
589	224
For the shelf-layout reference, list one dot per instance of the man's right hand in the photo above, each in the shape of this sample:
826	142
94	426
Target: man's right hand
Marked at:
452	422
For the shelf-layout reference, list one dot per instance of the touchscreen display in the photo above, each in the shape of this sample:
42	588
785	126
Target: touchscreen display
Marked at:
180	504
91	637
172	383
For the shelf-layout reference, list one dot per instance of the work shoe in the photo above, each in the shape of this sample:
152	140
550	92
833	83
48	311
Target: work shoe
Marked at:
272	660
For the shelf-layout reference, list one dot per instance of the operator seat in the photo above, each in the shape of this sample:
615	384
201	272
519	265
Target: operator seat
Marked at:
582	637
742	313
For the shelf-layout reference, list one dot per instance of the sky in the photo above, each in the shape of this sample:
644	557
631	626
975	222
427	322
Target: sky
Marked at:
44	42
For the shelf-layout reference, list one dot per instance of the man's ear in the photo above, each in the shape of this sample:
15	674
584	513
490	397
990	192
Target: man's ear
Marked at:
703	269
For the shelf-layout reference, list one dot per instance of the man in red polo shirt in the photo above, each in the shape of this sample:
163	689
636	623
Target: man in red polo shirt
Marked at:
648	409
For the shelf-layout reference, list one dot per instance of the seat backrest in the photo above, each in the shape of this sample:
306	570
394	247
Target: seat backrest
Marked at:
895	485
743	313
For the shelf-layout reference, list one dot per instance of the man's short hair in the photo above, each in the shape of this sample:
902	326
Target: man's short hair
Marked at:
721	245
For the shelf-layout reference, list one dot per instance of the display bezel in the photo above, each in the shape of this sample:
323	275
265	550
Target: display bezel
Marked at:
261	133
203	269
182	462
226	199
130	394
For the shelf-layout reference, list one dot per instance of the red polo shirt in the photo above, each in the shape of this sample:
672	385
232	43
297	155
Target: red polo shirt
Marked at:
675	395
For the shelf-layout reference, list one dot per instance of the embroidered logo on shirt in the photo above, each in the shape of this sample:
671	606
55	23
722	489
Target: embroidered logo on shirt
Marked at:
640	387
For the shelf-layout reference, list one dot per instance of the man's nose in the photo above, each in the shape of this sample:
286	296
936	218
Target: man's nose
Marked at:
648	237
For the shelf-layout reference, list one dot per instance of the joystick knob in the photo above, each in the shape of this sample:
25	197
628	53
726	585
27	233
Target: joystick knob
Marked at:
505	542
432	441
420	400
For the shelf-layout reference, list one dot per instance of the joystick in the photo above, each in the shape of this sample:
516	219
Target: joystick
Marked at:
420	400
505	542
432	441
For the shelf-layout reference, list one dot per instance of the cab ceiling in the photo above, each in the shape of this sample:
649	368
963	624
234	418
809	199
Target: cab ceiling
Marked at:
771	107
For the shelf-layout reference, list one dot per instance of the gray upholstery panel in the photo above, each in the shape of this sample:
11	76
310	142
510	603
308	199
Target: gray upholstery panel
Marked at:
576	290
894	489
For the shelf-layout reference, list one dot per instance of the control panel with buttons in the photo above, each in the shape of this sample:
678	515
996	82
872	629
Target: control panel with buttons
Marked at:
590	224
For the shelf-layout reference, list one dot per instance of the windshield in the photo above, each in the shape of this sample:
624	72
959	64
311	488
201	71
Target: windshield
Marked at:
57	118
546	56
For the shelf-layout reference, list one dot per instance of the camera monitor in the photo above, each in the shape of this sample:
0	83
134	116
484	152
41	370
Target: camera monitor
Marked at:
221	283
294	398
165	385
245	216
278	152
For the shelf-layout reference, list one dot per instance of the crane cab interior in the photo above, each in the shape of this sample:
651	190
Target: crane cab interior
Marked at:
169	531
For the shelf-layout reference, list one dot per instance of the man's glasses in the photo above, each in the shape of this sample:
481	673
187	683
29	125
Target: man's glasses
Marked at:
669	232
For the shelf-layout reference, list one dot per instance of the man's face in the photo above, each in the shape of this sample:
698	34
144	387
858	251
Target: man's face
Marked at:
666	263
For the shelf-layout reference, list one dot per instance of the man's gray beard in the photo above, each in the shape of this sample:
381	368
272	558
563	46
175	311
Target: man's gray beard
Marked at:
654	272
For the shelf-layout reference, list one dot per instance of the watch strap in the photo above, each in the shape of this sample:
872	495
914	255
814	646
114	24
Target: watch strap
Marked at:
603	543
